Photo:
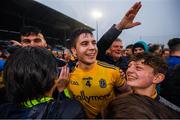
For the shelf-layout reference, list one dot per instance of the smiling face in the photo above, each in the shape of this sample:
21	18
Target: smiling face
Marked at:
86	49
116	49
139	75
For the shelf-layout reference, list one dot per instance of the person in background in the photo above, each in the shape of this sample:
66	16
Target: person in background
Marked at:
129	51
110	41
140	47
165	53
113	54
155	49
170	87
30	36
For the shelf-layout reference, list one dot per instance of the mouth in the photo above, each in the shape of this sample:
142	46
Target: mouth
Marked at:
91	54
130	77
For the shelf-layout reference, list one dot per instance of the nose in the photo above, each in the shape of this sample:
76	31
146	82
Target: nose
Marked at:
130	69
32	44
92	46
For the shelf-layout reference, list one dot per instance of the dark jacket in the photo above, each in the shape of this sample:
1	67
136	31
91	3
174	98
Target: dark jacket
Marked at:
170	87
104	43
60	108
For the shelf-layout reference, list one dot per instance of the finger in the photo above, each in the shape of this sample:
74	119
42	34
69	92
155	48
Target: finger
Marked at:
136	24
67	71
134	8
133	24
136	5
131	17
62	73
137	9
129	12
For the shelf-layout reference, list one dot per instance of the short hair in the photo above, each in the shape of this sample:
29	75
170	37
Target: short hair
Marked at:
29	30
129	46
75	34
29	73
156	62
134	106
154	47
118	39
165	49
174	44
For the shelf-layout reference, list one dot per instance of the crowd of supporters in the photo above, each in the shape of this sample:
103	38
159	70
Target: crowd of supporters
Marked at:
90	80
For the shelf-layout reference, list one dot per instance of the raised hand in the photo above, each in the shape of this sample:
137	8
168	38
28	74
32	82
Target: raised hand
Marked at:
127	21
63	79
15	43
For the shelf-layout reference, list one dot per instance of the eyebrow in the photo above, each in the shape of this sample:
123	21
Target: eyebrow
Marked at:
140	63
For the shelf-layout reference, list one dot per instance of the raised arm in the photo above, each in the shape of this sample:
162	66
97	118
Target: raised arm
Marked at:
127	22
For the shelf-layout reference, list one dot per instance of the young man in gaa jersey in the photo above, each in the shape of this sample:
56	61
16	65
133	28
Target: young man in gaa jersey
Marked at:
92	82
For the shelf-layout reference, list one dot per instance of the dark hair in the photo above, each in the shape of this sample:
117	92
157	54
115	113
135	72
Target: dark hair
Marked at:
134	106
164	50
75	34
156	62
29	73
174	44
129	46
29	30
118	39
153	48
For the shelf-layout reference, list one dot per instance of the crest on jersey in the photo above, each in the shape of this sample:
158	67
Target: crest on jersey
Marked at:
102	83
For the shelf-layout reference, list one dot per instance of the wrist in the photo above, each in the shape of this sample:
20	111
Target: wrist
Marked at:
119	26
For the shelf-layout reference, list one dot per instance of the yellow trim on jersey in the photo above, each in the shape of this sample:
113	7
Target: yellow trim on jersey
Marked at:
104	64
95	88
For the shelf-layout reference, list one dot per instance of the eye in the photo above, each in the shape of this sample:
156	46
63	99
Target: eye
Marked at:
94	43
138	68
26	41
37	40
84	43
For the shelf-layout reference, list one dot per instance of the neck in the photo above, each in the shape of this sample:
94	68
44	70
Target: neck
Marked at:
115	59
175	53
150	91
84	66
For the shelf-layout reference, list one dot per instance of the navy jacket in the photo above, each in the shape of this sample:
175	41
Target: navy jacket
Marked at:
61	108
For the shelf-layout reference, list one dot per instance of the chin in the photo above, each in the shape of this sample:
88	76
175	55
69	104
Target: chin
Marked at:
91	62
130	83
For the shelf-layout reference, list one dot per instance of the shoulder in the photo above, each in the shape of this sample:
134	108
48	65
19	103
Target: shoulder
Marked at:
106	65
67	108
9	110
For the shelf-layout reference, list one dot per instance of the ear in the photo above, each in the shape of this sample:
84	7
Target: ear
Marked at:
159	77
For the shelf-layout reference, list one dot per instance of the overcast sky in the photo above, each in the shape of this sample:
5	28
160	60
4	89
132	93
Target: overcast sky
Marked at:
160	18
